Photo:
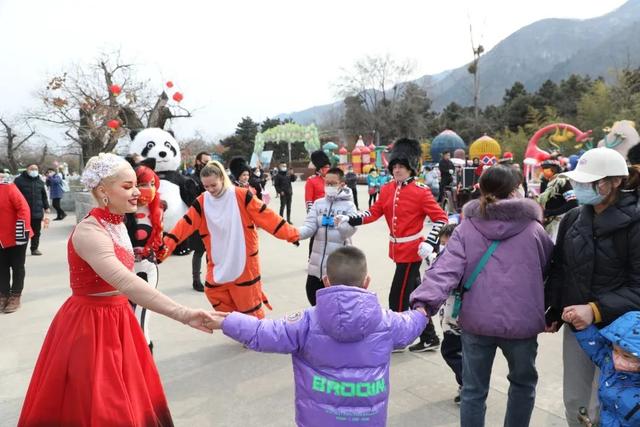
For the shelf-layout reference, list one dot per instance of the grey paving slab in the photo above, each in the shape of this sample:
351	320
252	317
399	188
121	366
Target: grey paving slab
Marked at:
213	381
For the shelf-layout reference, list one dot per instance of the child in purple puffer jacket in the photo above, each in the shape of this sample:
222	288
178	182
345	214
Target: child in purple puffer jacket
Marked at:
341	348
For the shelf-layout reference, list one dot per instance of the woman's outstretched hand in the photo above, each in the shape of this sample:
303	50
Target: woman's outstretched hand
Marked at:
216	319
203	320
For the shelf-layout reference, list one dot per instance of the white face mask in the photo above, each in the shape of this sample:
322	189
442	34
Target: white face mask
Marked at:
283	169
33	174
331	191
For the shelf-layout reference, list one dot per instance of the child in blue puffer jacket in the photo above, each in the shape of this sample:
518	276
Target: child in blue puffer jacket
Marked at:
615	349
341	348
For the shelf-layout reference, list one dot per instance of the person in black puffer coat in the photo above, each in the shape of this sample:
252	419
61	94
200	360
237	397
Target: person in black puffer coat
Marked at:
33	189
595	272
282	183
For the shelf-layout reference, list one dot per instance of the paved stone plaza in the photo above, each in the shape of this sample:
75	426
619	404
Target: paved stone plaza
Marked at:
213	381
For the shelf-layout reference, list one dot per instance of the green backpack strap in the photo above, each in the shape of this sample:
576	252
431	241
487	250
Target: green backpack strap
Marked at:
457	304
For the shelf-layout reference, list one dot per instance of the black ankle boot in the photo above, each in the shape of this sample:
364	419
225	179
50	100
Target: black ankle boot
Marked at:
197	285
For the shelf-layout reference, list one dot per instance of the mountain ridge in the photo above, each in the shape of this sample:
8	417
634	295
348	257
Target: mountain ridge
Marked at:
551	48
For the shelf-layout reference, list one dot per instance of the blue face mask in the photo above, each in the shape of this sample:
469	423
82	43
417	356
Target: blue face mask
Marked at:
586	194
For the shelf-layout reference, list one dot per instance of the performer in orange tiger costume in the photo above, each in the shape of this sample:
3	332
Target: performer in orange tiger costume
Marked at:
227	216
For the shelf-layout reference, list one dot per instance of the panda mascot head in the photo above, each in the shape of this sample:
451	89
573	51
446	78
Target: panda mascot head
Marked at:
178	192
158	144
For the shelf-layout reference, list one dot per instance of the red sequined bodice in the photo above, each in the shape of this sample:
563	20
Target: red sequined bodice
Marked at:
84	280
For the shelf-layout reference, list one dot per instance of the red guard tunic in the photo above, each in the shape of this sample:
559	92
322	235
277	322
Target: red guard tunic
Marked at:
313	190
405	208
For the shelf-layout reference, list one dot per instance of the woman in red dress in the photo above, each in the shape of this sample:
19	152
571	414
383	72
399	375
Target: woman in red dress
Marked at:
95	368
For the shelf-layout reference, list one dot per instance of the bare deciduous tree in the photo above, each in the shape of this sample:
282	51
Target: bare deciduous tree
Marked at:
473	70
377	81
14	143
192	146
84	102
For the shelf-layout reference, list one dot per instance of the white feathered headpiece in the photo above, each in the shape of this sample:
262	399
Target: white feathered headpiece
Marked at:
100	167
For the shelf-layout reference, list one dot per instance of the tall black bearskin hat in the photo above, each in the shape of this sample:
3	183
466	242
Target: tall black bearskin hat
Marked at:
634	155
407	152
552	164
320	159
237	165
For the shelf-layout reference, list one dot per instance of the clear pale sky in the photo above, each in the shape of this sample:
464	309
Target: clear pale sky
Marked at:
257	58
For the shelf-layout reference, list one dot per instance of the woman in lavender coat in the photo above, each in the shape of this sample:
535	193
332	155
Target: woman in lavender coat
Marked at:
505	306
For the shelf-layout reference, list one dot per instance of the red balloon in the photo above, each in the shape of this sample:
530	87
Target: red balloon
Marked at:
169	84
177	97
113	124
115	89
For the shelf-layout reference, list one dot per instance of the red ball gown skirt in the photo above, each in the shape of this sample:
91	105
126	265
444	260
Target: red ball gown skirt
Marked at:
95	369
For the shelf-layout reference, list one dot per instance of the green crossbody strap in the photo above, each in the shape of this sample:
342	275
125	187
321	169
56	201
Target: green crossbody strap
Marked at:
483	261
457	304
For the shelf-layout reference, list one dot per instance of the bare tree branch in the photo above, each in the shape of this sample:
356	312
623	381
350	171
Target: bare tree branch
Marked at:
68	133
12	146
17	145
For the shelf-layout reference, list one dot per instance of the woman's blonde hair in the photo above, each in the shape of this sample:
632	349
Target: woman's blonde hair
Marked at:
215	168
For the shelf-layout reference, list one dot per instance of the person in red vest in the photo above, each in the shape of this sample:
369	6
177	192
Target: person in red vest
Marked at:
314	187
15	230
405	205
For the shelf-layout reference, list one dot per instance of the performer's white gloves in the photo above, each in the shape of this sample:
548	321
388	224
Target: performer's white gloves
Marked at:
431	258
424	250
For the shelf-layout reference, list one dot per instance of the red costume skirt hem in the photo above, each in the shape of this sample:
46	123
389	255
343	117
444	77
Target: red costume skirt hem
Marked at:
95	369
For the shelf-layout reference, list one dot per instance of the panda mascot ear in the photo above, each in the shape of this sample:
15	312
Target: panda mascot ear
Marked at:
149	162
133	133
129	159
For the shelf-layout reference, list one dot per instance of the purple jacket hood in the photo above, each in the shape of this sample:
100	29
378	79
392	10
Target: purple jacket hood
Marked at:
348	314
503	219
507	298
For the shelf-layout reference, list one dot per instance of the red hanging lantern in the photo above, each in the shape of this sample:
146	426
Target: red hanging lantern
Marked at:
115	90
169	84
113	124
177	97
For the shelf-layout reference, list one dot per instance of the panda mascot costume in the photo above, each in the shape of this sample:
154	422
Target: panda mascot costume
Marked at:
177	191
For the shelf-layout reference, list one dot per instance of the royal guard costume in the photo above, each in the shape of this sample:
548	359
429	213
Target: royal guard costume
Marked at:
228	227
145	231
405	206
237	166
557	199
314	187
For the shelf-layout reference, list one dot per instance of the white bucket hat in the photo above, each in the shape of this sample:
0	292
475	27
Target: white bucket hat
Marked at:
597	164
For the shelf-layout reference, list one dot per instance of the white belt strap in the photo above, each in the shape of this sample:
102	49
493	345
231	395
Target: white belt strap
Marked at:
406	239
